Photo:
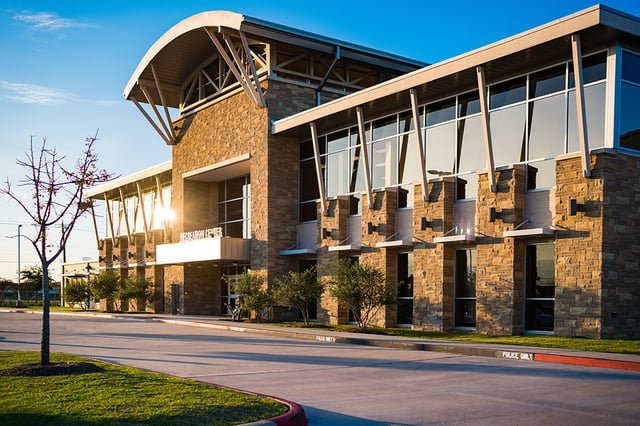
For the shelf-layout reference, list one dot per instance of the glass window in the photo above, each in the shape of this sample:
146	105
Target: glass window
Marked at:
508	134
409	164
465	288
630	67
594	68
441	150
541	174
508	92
405	197
539	287
468	104
546	127
548	81
471	153
307	212
406	121
306	150
385	128
337	173
630	116
405	289
442	111
337	141
384	163
356	181
234	207
595	109
308	181
466	186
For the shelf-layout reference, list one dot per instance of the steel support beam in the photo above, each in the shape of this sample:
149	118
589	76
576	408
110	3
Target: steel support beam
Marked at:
420	143
242	70
95	225
365	155
142	209
316	157
254	72
486	128
126	213
151	103
165	225
164	103
150	120
234	69
576	51
326	76
110	220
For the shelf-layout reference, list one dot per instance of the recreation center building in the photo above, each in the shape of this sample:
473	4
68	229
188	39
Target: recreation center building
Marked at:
499	190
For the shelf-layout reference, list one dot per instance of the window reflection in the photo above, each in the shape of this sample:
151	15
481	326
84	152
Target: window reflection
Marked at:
508	134
595	107
546	127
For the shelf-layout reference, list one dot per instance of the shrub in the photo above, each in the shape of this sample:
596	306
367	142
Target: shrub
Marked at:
252	292
299	290
359	288
77	292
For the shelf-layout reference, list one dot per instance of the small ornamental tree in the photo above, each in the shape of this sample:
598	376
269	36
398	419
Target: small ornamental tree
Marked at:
77	292
252	293
138	289
5	285
299	290
57	195
105	285
359	288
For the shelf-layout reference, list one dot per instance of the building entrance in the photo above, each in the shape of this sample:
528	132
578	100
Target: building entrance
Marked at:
228	298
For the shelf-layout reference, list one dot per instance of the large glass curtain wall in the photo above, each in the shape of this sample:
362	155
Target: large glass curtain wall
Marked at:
533	120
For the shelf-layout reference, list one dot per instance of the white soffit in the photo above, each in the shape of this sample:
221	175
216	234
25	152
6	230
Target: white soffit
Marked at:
135	177
223	170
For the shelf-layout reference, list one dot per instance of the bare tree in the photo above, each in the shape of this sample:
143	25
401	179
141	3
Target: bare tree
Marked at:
57	196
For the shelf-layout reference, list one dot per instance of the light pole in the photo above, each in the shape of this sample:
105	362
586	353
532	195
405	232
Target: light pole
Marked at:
18	300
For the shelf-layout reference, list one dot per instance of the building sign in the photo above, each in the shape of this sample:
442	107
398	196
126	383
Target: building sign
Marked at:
201	234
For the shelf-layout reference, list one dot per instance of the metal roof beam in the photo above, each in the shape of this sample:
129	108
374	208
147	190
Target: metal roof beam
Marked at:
258	100
164	102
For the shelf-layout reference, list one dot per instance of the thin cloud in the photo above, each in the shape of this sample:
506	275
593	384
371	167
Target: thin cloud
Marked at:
34	94
46	21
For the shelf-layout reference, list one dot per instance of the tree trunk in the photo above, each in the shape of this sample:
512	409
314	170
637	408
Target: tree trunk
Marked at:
44	347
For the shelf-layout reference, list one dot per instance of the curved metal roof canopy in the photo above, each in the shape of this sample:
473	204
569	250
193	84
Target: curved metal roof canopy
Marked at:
162	75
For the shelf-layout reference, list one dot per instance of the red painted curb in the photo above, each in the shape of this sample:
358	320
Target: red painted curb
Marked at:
294	417
588	362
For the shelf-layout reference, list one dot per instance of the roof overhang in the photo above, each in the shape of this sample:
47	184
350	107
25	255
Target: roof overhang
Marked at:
598	27
186	45
150	172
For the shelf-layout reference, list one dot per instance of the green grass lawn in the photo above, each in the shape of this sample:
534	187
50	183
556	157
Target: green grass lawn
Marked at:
120	396
591	345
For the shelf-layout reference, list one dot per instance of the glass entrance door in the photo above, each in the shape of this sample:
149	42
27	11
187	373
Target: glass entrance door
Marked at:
228	297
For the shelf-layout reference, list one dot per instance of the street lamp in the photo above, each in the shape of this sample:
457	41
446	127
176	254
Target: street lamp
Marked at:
18	300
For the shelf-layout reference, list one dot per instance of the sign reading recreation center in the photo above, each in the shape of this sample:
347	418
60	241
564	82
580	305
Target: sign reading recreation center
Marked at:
201	234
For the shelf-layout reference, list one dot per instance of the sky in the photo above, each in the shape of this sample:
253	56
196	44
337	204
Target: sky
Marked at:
65	64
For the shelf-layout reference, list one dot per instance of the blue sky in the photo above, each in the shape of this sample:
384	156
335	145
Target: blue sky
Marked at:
65	64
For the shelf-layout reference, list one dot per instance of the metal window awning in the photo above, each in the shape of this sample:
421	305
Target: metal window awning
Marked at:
390	242
293	251
528	232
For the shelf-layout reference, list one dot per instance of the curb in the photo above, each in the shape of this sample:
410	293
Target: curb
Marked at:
583	361
430	347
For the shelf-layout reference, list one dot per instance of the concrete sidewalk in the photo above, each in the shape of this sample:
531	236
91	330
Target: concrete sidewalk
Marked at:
524	353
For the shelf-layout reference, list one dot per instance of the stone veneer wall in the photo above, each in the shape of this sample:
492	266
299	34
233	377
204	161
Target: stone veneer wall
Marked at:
335	222
433	263
579	243
620	246
500	260
382	215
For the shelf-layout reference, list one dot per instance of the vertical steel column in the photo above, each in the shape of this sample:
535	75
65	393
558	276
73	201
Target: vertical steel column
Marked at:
576	51
316	157
486	128
420	142
365	155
